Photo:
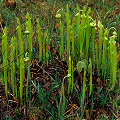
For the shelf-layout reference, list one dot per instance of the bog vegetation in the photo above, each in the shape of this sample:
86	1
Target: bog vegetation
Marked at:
84	52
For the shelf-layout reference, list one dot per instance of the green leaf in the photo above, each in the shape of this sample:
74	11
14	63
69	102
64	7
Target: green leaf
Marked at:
93	24
58	16
100	25
81	65
89	11
26	59
27	32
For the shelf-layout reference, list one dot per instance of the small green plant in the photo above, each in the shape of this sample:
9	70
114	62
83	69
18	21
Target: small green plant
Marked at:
91	85
5	59
12	47
30	34
39	40
113	59
22	69
68	21
71	73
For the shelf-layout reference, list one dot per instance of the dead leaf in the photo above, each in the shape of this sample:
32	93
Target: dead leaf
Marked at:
87	112
104	112
2	24
74	106
9	3
32	117
57	25
100	82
